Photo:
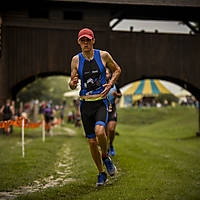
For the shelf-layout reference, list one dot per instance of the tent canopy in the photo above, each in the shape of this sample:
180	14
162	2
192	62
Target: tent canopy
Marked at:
146	88
183	93
74	93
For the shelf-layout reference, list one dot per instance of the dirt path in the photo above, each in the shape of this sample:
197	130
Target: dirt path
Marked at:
61	176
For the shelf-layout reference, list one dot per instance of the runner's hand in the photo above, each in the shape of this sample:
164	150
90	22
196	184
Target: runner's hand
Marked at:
107	88
74	81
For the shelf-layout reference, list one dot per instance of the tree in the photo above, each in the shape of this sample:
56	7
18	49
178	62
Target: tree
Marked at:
50	88
169	97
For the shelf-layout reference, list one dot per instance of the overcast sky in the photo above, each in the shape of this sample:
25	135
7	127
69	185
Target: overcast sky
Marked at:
151	26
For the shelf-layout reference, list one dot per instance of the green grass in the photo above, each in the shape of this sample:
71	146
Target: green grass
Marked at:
158	157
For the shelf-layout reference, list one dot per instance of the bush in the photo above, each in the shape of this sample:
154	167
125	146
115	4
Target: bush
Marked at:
169	97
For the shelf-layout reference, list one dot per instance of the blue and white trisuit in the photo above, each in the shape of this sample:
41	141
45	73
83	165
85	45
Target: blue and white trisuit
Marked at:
93	76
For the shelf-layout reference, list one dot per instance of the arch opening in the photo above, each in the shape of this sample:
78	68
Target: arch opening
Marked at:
154	90
19	86
185	85
48	86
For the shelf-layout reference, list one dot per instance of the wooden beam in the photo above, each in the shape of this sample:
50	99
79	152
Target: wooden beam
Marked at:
177	3
192	27
117	22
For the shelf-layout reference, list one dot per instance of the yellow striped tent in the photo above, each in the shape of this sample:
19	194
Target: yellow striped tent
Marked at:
144	88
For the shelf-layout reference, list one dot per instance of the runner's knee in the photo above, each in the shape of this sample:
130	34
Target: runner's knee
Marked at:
92	142
99	130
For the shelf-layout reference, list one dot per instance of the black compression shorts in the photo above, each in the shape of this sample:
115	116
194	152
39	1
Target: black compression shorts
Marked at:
112	116
93	113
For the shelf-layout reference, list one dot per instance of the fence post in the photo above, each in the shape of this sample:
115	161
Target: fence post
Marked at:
23	137
43	130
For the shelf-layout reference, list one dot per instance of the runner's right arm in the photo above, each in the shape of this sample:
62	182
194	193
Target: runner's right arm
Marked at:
74	72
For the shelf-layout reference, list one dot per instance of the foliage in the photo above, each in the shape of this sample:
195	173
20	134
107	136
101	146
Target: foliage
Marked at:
169	97
50	88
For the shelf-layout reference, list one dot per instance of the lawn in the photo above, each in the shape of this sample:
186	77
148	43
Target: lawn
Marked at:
157	156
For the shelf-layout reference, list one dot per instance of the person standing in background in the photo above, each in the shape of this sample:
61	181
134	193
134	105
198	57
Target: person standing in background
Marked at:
8	112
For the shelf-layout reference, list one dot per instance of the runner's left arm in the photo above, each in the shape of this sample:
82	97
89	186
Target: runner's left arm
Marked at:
116	71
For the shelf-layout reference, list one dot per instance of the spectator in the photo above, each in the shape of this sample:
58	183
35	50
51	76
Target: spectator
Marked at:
48	117
62	114
8	112
70	116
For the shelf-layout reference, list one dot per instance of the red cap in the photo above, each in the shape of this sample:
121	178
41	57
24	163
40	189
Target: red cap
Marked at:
86	32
